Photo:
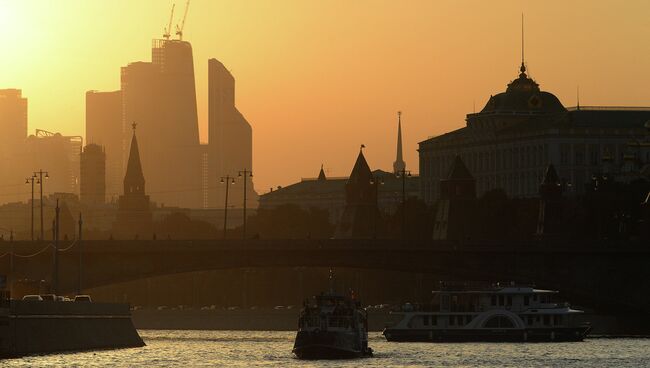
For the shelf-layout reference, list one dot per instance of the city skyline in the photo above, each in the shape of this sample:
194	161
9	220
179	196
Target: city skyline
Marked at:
414	60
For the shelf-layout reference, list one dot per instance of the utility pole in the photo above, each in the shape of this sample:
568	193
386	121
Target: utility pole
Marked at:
403	174
40	181
79	250
249	174
228	180
55	278
27	181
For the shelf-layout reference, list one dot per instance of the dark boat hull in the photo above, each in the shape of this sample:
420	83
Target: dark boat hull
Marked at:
329	345
487	335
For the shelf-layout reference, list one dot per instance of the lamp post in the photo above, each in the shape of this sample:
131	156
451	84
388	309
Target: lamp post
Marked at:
27	181
227	180
376	182
40	181
55	277
403	174
245	173
79	249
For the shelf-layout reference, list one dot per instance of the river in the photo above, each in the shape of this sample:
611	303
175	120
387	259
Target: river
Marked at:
178	348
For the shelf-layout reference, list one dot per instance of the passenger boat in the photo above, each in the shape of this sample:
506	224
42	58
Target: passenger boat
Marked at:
332	326
488	312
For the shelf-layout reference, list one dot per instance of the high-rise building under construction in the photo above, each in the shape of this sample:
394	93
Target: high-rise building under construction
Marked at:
160	96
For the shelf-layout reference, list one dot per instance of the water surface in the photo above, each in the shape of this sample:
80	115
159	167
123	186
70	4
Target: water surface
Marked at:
175	348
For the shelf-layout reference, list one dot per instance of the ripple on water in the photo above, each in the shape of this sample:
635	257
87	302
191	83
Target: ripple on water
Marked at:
174	348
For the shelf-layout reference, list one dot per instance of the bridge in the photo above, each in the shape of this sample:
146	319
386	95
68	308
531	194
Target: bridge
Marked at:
612	276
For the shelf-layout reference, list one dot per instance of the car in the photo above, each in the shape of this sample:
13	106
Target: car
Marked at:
279	307
48	297
83	298
32	298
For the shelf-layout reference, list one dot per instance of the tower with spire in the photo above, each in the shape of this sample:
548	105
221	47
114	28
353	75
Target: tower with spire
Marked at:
134	217
361	211
399	165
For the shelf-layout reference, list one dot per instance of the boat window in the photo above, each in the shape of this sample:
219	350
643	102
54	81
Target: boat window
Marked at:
445	303
509	299
494	300
531	319
468	319
499	322
452	320
425	320
526	300
557	320
547	320
434	320
501	300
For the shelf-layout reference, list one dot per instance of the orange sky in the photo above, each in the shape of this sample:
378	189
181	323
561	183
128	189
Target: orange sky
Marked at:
318	78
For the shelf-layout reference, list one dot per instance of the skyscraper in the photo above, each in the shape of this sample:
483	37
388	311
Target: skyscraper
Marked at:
13	125
161	97
104	128
230	138
93	176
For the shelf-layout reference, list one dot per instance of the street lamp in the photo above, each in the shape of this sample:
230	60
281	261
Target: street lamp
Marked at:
245	173
376	182
27	181
227	180
403	174
40	181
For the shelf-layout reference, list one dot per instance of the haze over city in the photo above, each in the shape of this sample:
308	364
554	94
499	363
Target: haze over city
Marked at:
316	79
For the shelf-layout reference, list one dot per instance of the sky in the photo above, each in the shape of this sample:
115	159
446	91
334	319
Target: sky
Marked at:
316	79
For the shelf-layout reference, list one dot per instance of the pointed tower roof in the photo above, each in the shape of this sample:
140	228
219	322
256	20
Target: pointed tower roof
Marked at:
134	178
551	177
459	171
399	165
361	172
321	174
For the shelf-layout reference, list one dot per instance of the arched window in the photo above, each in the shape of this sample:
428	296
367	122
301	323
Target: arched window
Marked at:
499	322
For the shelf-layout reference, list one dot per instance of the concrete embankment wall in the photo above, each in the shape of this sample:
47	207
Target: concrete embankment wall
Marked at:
44	327
287	320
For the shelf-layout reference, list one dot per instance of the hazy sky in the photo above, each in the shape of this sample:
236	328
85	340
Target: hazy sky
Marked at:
318	78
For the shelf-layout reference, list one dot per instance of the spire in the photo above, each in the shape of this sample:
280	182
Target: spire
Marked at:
134	179
399	165
522	69
321	174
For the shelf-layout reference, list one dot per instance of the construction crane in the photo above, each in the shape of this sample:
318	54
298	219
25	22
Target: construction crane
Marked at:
179	30
168	30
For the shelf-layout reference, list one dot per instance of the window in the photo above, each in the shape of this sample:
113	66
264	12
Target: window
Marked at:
526	300
501	301
434	320
452	320
531	320
494	300
564	153
425	320
547	320
509	299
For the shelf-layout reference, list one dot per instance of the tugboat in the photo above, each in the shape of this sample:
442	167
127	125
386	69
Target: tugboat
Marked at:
332	326
488	312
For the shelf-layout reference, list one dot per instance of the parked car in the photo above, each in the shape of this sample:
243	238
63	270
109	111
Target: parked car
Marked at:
32	298
83	298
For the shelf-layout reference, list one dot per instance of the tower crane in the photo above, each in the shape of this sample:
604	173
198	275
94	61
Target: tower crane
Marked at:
179	30
168	30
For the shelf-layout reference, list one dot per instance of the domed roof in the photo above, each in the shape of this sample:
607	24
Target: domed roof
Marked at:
523	95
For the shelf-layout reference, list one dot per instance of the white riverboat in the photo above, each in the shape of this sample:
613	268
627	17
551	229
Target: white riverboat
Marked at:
488	312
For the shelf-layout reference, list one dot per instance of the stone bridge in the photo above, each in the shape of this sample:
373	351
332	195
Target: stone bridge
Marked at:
605	275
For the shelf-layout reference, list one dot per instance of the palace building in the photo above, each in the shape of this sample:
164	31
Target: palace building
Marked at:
510	143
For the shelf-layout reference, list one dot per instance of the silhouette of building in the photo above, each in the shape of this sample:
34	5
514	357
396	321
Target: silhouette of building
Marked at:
399	165
519	132
13	125
230	139
93	176
457	204
104	128
550	206
134	217
361	211
57	154
161	96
